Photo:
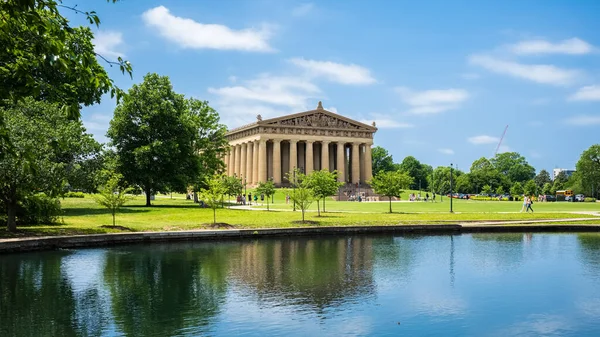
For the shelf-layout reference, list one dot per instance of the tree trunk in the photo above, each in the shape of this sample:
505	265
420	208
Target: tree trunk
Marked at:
148	197
215	216
11	224
303	215
113	212
318	208
390	203
267	202
324	204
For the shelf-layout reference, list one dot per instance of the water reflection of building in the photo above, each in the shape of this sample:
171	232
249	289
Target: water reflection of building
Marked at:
316	272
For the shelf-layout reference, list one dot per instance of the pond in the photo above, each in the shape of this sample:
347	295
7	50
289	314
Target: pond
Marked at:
459	285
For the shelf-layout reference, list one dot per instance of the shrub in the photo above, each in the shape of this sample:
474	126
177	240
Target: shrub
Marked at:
588	199
38	209
74	195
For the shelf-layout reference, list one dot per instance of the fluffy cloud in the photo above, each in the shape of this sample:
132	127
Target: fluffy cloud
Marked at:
386	122
572	46
432	101
483	139
540	73
583	120
335	72
446	151
589	93
188	33
303	9
107	43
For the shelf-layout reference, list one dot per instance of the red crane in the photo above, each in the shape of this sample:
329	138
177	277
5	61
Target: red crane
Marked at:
500	142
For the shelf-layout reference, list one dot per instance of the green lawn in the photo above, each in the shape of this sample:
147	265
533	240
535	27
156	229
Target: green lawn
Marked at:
84	216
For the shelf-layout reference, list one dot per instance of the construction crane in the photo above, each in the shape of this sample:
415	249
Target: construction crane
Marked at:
500	142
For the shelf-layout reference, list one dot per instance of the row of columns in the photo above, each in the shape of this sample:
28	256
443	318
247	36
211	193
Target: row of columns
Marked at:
249	160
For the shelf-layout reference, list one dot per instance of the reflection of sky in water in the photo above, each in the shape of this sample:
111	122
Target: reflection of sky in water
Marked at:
468	285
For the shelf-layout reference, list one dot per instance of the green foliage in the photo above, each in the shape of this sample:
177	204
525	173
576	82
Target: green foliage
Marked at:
266	188
45	147
588	169
233	185
547	189
163	141
382	160
516	189
514	166
112	196
74	195
391	184
487	189
213	194
419	172
542	179
463	184
38	209
589	199
303	196
500	190
323	184
530	188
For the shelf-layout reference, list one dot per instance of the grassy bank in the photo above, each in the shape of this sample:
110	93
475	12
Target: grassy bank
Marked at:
84	216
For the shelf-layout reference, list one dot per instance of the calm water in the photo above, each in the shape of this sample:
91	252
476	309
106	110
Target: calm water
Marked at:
467	285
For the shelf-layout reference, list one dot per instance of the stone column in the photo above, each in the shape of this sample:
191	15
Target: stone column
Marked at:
238	160
325	155
226	161
249	176
255	163
340	163
277	161
355	163
293	154
243	157
262	161
309	157
368	163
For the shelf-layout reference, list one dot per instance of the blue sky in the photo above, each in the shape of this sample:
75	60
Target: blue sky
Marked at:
441	79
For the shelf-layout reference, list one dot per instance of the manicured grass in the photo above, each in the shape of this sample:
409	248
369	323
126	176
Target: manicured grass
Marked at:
84	216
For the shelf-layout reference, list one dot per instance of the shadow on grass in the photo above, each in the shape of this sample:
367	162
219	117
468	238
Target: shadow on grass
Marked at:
327	216
96	211
32	231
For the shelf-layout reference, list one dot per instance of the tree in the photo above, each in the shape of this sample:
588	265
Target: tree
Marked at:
266	188
588	169
213	194
514	166
391	184
303	197
560	181
382	160
500	190
157	135
462	184
530	188
483	173
516	189
45	144
323	184
112	196
233	185
542	178
417	171
547	189
487	189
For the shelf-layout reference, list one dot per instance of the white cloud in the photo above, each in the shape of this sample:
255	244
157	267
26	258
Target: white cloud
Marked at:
335	72
303	9
470	76
432	101
483	139
332	109
107	43
589	93
572	46
188	33
446	151
540	73
583	120
387	123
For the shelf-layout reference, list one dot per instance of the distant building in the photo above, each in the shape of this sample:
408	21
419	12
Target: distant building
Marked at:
557	171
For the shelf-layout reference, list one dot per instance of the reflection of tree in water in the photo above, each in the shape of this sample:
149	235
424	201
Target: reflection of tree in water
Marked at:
36	297
396	253
590	251
498	249
159	290
317	273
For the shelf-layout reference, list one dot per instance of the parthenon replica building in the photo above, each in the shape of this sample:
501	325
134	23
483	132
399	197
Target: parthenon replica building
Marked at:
311	140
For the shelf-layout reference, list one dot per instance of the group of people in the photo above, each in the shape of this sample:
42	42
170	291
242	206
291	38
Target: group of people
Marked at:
527	202
241	199
417	197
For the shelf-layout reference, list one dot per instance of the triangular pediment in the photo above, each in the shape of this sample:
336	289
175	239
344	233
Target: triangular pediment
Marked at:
319	118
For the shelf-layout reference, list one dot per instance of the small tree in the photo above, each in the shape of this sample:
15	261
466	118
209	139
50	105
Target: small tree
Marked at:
213	194
547	189
530	187
500	190
303	197
323	184
487	189
516	189
267	188
112	196
391	184
233	186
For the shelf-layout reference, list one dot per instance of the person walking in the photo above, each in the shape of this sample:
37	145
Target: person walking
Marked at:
529	203
426	196
524	204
